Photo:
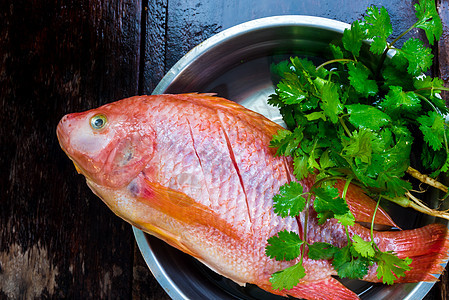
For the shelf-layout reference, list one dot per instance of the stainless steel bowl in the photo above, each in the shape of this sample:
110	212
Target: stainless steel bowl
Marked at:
235	64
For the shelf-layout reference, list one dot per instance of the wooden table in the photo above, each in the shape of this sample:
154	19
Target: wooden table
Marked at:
57	240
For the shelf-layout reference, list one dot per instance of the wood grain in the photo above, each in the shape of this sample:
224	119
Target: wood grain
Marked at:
56	238
442	68
153	64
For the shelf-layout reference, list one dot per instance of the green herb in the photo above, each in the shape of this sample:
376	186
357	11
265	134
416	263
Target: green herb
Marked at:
328	205
285	246
359	119
290	200
288	278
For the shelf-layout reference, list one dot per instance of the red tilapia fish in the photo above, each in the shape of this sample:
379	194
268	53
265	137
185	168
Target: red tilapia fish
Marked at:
197	172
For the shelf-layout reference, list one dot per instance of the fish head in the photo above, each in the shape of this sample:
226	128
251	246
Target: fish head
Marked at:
109	145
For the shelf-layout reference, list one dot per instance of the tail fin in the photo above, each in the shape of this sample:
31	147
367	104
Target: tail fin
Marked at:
363	207
327	289
427	247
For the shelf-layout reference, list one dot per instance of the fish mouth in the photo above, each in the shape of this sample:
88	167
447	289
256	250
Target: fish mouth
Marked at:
63	142
62	138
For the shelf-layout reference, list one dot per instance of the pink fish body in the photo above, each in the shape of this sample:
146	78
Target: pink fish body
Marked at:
196	171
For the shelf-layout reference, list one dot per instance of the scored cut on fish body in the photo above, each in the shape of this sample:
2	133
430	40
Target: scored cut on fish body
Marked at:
208	153
197	171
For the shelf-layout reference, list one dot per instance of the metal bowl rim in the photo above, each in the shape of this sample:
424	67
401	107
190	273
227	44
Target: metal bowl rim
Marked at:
242	29
420	289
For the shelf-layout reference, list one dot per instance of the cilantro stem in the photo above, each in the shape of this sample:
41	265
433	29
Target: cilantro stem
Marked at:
429	102
438	112
381	62
390	46
347	234
342	60
306	219
346	187
442	88
343	195
342	122
413	202
426	179
372	223
329	178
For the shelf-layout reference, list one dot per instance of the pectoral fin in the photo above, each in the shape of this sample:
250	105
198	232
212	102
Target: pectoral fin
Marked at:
166	236
183	208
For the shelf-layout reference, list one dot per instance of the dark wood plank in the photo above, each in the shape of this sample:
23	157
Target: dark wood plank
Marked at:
145	285
443	45
153	67
57	239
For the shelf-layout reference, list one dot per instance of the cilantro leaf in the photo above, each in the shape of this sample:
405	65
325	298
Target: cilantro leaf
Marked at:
336	51
353	38
328	204
367	116
429	20
396	77
280	68
359	79
431	88
357	117
355	268
303	67
398	103
331	104
348	265
301	166
363	247
433	85
286	245
361	145
290	92
319	250
287	278
389	165
377	22
418	57
390	266
432	126
378	45
316	115
290	200
378	27
286	141
326	161
393	185
435	161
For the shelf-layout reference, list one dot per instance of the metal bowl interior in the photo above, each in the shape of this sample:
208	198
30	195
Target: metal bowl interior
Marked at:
235	64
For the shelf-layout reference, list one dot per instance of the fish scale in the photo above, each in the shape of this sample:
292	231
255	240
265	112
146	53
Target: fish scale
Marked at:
197	172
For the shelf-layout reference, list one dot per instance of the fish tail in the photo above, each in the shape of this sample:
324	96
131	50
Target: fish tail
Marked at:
362	206
427	247
327	289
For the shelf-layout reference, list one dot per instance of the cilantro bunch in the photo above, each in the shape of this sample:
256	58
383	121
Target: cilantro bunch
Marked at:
369	115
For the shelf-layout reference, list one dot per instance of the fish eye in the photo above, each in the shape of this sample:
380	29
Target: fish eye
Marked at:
98	122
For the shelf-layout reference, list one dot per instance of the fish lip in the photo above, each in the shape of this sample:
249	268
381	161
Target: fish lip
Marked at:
62	143
62	138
